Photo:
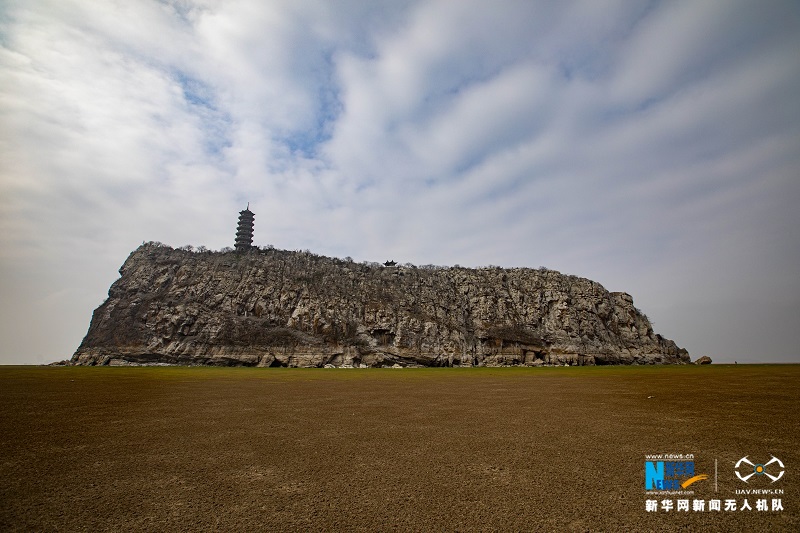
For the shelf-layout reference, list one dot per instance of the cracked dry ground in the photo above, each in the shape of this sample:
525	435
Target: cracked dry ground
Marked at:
544	449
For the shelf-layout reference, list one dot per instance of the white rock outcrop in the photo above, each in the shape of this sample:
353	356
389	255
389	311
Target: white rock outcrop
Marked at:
280	308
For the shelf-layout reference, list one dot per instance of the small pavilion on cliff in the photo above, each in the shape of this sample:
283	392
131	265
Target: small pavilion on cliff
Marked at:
244	232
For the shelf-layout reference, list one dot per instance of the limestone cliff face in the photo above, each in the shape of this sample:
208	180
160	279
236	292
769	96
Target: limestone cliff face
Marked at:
280	308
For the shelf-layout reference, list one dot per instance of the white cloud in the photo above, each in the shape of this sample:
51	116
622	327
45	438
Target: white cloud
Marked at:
650	147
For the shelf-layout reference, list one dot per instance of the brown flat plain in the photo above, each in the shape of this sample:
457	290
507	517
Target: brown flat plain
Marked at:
549	449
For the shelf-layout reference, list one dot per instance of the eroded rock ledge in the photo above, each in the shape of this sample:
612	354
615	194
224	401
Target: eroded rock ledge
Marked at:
281	308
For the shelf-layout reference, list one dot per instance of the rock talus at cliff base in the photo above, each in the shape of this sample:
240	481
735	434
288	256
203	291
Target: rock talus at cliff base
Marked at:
297	309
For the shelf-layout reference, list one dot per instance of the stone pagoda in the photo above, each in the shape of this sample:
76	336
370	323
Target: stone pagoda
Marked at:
244	232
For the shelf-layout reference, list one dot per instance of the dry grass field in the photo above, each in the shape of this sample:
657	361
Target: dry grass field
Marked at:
238	449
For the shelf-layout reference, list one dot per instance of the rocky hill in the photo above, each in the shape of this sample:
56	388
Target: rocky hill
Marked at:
280	308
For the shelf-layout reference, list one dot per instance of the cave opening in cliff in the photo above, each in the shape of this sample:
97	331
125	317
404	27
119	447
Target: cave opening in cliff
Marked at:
383	336
532	356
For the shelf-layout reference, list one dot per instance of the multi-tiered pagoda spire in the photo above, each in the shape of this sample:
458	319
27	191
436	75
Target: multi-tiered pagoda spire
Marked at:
244	233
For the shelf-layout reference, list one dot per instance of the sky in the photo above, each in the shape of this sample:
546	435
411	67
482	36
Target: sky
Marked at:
653	147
